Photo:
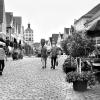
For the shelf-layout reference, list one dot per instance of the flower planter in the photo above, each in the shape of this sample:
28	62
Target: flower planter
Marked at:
80	86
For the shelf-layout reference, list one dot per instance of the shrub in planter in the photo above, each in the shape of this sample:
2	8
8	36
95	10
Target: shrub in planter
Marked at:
80	81
68	66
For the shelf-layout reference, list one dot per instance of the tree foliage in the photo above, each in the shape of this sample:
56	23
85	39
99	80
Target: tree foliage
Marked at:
78	45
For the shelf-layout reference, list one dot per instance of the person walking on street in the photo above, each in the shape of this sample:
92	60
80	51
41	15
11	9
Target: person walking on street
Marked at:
2	58
43	54
53	55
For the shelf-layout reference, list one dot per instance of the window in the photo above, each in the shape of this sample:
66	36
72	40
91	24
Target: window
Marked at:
26	39
30	35
29	39
26	34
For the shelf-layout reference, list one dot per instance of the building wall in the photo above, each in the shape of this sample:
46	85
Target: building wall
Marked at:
66	33
59	41
28	36
79	26
3	25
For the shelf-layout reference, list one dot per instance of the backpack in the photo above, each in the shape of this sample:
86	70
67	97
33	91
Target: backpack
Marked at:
43	52
54	52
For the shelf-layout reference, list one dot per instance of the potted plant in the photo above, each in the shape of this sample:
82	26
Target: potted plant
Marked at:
80	81
79	47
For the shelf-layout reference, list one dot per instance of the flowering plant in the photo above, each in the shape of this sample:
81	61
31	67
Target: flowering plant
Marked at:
84	76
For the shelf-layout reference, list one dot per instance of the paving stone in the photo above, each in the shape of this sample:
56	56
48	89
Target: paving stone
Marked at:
25	79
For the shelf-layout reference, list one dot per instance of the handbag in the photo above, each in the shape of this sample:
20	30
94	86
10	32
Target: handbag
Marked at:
57	62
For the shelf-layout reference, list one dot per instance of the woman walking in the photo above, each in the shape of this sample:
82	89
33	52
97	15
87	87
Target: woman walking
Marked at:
53	54
43	54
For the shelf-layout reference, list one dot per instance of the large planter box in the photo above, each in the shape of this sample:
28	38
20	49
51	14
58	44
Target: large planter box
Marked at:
80	86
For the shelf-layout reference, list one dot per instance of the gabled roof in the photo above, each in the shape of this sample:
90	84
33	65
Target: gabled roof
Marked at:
1	10
91	13
17	21
9	18
55	37
94	17
94	10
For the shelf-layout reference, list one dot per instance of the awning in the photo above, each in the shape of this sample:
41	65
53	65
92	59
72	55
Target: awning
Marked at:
94	29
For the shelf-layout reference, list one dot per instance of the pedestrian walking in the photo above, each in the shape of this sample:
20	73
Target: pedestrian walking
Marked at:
2	57
53	54
43	54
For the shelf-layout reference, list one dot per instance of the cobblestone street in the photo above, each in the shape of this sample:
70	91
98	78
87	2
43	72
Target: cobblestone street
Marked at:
26	80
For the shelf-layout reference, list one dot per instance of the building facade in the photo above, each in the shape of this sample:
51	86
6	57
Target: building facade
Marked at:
9	25
28	36
2	20
59	40
66	33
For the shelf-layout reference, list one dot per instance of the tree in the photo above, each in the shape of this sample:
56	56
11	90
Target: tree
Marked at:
78	46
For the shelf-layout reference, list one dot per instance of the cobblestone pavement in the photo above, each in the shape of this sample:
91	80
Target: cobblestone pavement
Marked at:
26	80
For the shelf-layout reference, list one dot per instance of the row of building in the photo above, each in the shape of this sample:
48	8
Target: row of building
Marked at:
11	28
55	38
87	24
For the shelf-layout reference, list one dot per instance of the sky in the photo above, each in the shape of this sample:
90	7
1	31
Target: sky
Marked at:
49	16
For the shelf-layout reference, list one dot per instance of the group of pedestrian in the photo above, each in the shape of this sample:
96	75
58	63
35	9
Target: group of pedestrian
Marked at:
53	55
